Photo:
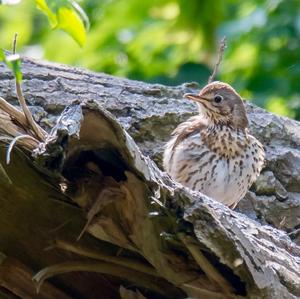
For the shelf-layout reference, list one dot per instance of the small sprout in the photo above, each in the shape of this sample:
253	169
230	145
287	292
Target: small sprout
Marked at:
14	63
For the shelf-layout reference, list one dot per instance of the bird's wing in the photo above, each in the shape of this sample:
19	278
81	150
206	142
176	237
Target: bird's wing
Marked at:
192	126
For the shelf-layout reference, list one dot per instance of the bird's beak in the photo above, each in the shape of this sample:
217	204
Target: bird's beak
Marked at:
194	97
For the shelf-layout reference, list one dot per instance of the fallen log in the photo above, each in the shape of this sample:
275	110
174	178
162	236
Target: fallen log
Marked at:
149	112
144	231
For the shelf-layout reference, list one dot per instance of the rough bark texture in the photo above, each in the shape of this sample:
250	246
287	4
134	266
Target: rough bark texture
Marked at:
150	113
256	261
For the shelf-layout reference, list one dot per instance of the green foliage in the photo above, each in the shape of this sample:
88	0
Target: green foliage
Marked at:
66	15
14	63
172	41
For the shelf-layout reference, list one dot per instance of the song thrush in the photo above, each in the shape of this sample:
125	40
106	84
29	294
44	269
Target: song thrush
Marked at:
213	152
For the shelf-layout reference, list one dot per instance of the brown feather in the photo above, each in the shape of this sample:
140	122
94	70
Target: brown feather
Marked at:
192	126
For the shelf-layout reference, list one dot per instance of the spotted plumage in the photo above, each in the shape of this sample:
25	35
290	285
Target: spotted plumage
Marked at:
213	152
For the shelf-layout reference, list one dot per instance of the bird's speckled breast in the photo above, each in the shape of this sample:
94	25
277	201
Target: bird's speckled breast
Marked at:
211	168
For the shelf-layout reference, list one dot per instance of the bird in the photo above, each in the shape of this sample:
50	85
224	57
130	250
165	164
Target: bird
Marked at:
213	151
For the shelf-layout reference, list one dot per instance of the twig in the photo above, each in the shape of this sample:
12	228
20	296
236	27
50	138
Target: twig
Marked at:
13	112
213	275
97	255
222	47
38	131
15	43
16	115
12	144
30	145
30	121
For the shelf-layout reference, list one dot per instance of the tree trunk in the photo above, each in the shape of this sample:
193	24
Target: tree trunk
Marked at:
144	231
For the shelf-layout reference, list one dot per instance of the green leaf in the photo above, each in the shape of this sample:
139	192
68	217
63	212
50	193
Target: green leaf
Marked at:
66	15
15	66
2	55
14	63
82	14
43	6
70	22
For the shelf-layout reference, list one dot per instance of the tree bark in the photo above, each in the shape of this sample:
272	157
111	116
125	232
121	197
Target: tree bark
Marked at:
184	242
149	112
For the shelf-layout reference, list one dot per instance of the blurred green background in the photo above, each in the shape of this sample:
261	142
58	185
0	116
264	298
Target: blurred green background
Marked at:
175	41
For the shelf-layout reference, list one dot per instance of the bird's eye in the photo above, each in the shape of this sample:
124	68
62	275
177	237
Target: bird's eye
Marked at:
218	98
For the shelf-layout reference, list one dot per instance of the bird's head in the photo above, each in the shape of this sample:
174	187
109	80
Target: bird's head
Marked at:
221	104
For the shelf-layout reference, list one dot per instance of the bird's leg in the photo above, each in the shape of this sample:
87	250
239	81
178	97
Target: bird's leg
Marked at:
105	197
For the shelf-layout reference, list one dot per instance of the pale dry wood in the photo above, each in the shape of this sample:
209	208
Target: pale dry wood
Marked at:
205	265
17	278
135	277
105	197
98	255
40	134
13	112
126	222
